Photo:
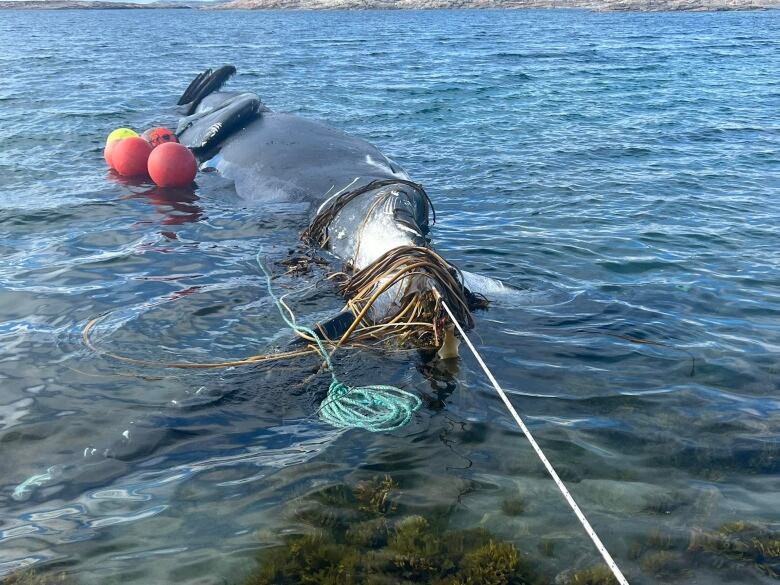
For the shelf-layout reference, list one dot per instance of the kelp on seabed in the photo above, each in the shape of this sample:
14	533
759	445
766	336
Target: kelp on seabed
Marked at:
356	534
32	577
361	534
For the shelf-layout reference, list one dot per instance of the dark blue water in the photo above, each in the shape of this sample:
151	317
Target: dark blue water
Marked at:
623	169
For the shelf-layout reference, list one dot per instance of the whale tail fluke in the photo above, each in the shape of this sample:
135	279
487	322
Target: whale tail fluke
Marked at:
204	84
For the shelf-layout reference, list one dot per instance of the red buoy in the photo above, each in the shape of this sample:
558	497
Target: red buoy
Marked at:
129	156
172	165
158	136
108	152
113	138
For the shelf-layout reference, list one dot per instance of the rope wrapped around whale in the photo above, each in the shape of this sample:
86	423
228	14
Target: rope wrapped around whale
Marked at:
317	232
420	311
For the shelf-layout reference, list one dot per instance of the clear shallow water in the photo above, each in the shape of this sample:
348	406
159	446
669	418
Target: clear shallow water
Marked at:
624	169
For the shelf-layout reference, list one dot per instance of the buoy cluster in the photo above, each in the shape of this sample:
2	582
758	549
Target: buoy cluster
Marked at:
157	154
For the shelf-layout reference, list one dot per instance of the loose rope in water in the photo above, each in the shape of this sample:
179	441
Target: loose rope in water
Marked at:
526	431
414	324
375	408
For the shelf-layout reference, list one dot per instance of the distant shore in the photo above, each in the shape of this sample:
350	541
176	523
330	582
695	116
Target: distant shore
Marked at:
88	5
595	5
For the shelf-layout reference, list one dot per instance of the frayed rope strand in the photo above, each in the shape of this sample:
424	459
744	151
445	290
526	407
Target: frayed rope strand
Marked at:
376	408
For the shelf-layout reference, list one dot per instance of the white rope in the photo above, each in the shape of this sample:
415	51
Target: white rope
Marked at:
583	520
336	194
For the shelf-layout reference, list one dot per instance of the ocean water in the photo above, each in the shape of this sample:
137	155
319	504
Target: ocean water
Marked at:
623	170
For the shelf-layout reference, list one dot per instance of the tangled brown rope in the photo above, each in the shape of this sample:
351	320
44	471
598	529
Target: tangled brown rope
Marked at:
251	360
419	316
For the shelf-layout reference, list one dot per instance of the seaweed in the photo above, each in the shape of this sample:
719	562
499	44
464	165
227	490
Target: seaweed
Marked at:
495	563
412	536
374	496
664	565
456	543
547	547
656	557
32	577
660	541
415	553
308	559
368	534
513	506
384	547
339	496
417	550
598	575
319	517
740	543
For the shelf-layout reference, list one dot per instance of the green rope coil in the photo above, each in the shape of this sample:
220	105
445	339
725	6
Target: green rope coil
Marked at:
377	408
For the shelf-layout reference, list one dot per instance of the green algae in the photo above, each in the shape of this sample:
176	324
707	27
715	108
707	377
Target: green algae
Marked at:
547	547
375	496
415	552
740	543
598	575
665	565
319	517
368	534
309	559
660	540
338	496
360	534
360	537
513	506
31	577
495	563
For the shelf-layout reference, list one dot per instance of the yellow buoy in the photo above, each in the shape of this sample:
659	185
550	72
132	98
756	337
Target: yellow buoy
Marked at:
121	133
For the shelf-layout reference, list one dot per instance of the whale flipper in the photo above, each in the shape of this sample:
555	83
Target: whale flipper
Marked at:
186	97
205	83
203	131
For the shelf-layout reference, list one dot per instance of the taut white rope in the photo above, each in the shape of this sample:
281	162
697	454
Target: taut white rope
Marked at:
569	499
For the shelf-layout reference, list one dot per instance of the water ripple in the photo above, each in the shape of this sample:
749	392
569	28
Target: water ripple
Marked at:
620	170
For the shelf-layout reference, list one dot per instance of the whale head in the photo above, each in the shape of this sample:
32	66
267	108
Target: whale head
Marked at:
393	277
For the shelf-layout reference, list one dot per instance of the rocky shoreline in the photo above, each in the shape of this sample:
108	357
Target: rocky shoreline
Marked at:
595	5
87	5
